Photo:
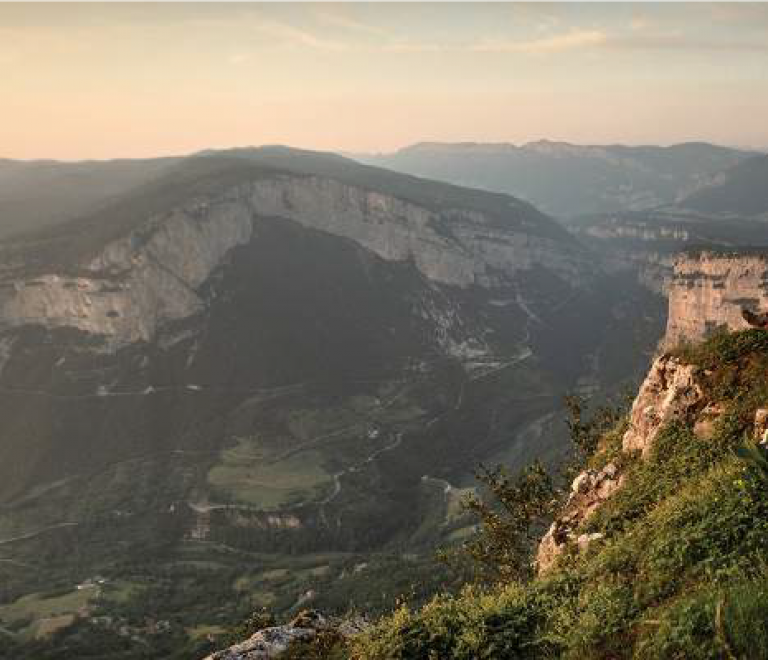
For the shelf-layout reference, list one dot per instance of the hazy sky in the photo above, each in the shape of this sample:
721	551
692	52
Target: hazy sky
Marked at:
96	81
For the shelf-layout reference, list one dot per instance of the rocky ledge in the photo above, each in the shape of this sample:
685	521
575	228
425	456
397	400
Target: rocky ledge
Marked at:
274	641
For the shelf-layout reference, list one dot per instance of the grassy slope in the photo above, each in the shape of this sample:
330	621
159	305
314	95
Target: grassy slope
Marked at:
681	573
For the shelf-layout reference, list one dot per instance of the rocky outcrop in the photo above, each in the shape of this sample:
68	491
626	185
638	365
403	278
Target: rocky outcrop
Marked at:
138	282
641	231
761	425
452	246
709	290
669	392
274	641
153	275
588	491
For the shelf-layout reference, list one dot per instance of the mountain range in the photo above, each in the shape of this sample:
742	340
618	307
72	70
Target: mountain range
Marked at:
269	374
567	180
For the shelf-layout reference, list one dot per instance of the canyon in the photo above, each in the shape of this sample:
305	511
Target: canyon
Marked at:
264	356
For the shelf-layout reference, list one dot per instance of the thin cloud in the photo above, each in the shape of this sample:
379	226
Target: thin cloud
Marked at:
639	23
637	39
236	59
679	42
345	22
574	40
292	36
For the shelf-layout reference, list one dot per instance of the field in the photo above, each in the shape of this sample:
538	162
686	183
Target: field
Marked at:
37	615
245	476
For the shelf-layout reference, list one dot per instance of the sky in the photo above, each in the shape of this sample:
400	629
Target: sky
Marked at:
82	81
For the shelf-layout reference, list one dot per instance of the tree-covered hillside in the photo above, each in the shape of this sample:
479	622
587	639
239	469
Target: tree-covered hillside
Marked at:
672	563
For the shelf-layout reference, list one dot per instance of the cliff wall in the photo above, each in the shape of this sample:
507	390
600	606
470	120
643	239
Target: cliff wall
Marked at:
153	274
708	290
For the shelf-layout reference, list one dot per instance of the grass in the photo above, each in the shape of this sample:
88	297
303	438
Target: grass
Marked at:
245	476
41	613
50	625
202	631
120	591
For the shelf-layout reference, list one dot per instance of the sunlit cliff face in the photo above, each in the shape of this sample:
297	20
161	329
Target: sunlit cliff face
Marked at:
710	290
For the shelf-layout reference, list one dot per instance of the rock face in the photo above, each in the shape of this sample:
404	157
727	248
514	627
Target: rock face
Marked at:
152	275
273	642
710	290
454	246
588	491
136	283
668	392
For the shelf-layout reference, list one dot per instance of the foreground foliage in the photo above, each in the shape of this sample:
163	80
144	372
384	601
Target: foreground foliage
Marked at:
681	570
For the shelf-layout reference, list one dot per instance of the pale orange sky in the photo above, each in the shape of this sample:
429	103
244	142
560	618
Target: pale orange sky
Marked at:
103	81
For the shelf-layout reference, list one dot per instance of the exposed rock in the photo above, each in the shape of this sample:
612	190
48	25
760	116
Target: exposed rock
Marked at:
153	275
755	320
276	640
710	290
588	491
136	284
669	392
265	644
585	539
761	425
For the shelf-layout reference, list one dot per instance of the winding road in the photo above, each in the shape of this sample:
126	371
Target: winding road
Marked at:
38	532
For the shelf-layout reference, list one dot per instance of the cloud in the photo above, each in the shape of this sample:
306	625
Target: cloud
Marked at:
639	23
573	40
292	36
679	42
638	38
345	22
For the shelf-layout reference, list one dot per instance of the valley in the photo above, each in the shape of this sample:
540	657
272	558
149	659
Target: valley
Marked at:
267	380
256	361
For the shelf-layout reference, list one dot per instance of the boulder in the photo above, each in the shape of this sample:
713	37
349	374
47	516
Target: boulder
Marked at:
588	491
272	642
669	392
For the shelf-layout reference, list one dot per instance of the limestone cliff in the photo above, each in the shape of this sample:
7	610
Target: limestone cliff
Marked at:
668	393
709	290
133	285
153	273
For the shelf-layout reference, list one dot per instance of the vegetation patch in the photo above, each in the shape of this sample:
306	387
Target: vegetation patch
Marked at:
39	614
244	476
680	569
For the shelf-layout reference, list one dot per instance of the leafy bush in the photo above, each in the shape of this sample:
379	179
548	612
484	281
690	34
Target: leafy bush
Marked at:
510	521
473	626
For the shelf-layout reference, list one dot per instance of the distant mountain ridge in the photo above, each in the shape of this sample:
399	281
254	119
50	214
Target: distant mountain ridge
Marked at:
568	180
41	193
741	191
